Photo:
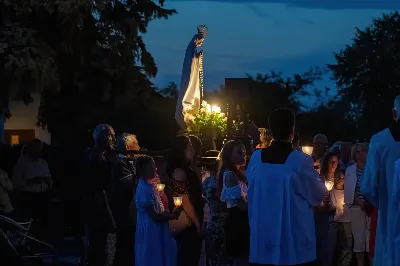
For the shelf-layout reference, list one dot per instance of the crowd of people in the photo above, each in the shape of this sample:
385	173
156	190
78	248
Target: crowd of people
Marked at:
275	205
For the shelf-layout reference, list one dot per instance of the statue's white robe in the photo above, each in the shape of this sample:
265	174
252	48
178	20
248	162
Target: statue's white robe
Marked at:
189	89
377	187
281	198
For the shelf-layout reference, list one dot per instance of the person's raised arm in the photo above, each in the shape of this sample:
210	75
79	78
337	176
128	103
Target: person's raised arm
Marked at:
369	181
308	183
180	176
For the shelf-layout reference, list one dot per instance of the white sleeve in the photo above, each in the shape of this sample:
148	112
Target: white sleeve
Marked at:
250	175
396	183
251	169
307	182
369	180
395	200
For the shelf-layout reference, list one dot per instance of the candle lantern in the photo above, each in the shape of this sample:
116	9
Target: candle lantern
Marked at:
307	150
329	185
160	187
178	201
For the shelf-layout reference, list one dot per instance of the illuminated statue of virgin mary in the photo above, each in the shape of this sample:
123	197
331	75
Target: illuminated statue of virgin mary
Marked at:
191	86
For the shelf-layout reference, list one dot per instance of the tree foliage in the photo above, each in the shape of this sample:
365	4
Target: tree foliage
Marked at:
367	74
87	57
272	91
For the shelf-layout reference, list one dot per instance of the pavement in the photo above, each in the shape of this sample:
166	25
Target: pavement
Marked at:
69	253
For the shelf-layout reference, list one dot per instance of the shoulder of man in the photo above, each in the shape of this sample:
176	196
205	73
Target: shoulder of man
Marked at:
378	136
123	168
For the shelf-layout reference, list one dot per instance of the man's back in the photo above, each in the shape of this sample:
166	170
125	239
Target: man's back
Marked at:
283	189
377	187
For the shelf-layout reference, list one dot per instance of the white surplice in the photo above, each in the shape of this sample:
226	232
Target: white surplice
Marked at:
281	198
377	187
396	199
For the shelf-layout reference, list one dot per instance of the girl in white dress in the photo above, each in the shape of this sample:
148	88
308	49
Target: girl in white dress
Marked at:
154	245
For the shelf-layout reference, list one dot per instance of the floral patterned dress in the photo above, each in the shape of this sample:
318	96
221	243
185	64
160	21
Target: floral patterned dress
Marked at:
215	240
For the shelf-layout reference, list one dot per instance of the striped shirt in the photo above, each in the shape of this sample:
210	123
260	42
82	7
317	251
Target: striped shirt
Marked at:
357	192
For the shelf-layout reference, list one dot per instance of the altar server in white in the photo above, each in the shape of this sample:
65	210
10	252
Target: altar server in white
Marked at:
377	187
396	198
283	189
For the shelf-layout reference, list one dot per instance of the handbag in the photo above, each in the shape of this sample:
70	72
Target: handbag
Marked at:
178	225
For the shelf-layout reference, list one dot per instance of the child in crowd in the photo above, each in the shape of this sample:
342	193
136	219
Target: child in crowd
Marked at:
154	244
341	235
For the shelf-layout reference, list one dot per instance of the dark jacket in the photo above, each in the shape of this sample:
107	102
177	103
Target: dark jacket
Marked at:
97	188
125	181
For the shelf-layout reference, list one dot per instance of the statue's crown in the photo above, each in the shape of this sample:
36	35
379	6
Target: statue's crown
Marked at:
202	29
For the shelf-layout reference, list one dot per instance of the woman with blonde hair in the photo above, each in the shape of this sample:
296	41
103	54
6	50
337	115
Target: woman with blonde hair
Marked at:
354	200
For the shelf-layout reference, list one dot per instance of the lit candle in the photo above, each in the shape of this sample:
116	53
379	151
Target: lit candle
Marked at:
307	149
160	187
178	201
329	185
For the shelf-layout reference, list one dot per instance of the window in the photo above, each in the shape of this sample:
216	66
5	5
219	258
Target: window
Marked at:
14	140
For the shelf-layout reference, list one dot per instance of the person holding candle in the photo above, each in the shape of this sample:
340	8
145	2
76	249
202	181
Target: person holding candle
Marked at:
154	244
341	235
324	213
232	185
355	201
283	189
185	183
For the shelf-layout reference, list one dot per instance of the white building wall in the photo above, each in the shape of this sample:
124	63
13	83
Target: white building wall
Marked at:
25	117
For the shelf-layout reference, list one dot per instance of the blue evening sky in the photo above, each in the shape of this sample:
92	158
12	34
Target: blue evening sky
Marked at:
251	36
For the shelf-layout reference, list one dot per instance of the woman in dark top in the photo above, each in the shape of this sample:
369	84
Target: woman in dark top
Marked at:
187	184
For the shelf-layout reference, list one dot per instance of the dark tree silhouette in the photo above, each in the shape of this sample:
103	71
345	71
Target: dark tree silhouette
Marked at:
367	74
171	91
272	91
88	57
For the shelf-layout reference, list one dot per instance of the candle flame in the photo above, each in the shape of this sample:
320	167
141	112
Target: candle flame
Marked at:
307	150
178	201
160	187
